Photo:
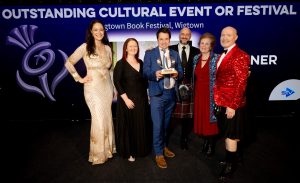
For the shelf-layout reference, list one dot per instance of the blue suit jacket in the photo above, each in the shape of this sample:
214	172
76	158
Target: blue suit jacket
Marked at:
152	63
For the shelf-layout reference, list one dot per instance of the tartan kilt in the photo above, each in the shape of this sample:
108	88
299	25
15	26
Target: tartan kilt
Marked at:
184	109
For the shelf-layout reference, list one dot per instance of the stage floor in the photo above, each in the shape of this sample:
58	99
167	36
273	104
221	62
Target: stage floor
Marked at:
57	151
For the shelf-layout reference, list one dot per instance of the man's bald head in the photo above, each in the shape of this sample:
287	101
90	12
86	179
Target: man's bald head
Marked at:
228	36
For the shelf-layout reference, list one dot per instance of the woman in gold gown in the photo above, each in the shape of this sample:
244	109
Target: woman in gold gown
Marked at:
98	89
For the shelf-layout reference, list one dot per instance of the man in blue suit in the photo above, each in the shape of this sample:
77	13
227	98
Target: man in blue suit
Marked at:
162	68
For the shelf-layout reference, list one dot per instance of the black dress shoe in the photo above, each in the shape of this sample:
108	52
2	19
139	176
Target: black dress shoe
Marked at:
222	163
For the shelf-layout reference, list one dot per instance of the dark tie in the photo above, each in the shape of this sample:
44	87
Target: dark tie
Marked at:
183	57
165	65
224	51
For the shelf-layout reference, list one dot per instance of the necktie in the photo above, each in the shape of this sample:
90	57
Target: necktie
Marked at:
164	60
165	65
183	57
224	51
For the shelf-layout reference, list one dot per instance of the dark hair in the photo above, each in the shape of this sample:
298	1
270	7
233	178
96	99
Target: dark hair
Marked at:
163	30
90	47
210	36
124	55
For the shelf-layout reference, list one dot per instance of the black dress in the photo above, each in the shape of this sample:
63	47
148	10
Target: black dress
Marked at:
132	126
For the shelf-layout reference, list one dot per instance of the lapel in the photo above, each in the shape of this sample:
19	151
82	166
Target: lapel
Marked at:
176	47
227	57
171	53
157	56
157	53
172	57
191	55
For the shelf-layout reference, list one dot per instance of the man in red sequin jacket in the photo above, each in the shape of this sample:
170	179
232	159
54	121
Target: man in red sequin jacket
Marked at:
230	94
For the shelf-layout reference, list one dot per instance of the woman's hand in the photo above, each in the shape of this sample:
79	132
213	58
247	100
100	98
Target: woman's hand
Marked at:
129	103
85	79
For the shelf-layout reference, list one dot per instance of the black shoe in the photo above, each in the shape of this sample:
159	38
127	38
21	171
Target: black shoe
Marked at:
222	163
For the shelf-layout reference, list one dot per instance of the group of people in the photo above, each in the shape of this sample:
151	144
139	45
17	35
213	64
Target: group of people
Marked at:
205	91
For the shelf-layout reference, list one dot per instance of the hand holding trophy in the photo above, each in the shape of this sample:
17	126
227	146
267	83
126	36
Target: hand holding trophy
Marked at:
167	69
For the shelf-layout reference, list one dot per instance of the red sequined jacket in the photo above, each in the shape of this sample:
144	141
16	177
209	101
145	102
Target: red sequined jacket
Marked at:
231	79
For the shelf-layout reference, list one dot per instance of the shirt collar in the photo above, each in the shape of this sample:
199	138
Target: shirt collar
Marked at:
187	46
228	49
160	49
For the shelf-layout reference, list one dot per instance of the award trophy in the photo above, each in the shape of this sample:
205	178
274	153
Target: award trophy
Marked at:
167	69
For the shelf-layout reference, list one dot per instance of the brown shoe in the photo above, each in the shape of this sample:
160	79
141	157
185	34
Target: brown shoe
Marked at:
168	153
160	161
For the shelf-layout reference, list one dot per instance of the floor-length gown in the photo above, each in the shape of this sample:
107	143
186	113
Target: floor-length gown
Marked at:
133	126
98	95
202	124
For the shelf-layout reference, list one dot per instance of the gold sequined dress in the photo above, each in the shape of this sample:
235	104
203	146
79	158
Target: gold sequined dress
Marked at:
98	95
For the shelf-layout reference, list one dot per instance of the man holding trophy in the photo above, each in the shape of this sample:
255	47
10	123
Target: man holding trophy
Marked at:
162	68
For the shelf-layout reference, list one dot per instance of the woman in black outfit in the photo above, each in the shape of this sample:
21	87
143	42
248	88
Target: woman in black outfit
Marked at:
132	128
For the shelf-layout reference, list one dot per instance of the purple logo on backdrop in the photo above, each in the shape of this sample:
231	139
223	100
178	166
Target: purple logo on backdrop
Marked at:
37	60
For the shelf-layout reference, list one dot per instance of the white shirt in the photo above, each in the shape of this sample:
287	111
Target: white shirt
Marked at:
223	55
172	80
187	50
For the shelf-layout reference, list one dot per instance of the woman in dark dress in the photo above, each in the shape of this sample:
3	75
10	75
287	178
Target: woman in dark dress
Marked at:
132	128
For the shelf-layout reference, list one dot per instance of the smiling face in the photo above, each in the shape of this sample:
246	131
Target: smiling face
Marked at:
185	35
228	37
163	40
98	31
205	45
132	48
